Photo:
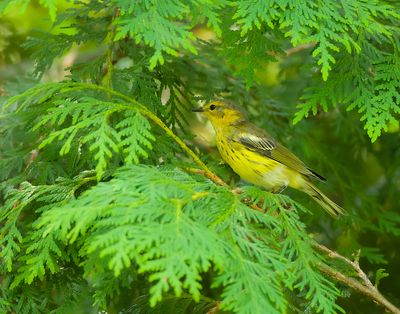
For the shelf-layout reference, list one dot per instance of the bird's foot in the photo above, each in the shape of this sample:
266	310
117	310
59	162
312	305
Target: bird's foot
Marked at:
237	190
279	189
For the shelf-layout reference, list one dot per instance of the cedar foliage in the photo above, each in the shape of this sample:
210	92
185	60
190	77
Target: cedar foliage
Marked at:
99	210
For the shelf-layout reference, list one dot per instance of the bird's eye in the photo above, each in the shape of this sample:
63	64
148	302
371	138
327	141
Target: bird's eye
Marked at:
212	107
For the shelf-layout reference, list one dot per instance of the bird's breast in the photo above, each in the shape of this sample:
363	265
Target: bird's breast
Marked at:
253	167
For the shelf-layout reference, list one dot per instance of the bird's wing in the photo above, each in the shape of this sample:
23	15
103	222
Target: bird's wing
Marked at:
259	141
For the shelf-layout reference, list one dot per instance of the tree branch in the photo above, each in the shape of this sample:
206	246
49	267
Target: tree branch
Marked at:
294	50
236	191
365	286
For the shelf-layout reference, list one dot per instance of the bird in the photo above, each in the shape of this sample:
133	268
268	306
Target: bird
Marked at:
260	159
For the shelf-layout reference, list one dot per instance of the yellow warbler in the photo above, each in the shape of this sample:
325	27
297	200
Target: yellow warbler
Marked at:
258	158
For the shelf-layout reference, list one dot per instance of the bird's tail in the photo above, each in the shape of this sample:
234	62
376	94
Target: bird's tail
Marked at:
332	208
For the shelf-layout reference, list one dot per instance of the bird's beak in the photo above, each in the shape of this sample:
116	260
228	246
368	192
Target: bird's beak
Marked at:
198	110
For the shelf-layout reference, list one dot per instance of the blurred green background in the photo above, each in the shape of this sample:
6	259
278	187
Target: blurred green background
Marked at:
363	177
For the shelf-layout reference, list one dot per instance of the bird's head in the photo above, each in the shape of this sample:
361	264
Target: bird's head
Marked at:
221	113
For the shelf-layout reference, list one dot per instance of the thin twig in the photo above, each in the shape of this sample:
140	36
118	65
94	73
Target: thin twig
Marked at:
365	286
294	50
214	309
33	155
146	112
354	264
110	48
236	191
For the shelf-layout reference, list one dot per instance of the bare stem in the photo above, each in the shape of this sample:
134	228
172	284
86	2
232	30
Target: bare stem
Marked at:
214	309
236	191
294	50
365	286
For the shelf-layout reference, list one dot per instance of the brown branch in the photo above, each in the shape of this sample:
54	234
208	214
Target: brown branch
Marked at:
214	309
33	155
365	286
294	50
219	181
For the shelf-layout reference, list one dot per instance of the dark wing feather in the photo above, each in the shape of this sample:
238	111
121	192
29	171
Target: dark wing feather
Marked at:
259	141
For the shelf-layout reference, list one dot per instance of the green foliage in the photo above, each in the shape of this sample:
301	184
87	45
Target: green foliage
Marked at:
331	26
373	89
51	5
164	28
354	39
103	201
156	221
